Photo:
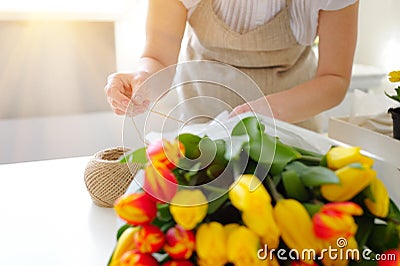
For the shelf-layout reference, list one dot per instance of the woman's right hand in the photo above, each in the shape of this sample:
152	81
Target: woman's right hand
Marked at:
120	89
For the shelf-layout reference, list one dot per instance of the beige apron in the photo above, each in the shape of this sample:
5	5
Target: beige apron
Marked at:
269	54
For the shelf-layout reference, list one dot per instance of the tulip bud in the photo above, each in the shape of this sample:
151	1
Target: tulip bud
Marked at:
188	208
352	181
296	226
165	154
160	183
242	247
260	219
136	209
135	258
149	239
178	263
380	205
339	157
334	220
124	244
211	235
243	187
180	243
392	258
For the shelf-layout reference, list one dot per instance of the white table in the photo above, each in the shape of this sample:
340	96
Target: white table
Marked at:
48	218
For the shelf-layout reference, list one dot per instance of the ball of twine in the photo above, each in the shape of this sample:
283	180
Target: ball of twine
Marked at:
106	178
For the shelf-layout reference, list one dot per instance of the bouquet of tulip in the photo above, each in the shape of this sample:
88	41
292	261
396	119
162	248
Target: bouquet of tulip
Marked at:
253	200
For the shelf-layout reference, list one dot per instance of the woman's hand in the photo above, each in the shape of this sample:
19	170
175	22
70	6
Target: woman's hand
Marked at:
259	106
119	90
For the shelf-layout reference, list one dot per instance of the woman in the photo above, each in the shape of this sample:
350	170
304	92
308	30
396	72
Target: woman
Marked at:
268	40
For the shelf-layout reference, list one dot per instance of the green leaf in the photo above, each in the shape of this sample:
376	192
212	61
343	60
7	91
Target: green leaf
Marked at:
270	151
394	97
312	208
394	212
308	153
293	186
136	156
313	176
191	144
234	146
365	225
163	213
297	167
250	126
383	237
316	176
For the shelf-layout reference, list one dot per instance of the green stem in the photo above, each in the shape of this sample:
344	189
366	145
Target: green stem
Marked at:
310	159
272	189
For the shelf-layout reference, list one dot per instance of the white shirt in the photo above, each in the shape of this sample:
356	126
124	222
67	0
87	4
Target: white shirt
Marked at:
245	15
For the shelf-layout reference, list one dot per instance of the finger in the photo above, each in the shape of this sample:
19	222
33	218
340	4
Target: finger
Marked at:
240	110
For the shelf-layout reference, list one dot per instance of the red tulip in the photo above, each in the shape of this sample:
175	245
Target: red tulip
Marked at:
180	243
149	239
335	220
136	209
389	258
135	258
178	263
163	153
160	183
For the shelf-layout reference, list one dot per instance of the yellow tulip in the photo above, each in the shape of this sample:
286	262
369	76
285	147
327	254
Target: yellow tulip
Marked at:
188	208
247	185
380	206
250	196
346	251
339	157
394	76
211	244
260	220
242	245
125	243
296	226
352	181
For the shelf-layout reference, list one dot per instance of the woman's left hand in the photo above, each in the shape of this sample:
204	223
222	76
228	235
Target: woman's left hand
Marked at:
259	106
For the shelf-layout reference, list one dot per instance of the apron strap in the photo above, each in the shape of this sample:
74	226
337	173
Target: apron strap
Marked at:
288	3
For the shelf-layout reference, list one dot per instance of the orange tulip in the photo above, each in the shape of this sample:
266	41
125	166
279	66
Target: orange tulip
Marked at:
160	183
335	220
135	258
163	153
180	243
149	239
136	209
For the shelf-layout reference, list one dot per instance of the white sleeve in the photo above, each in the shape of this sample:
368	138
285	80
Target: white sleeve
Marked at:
190	5
304	21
